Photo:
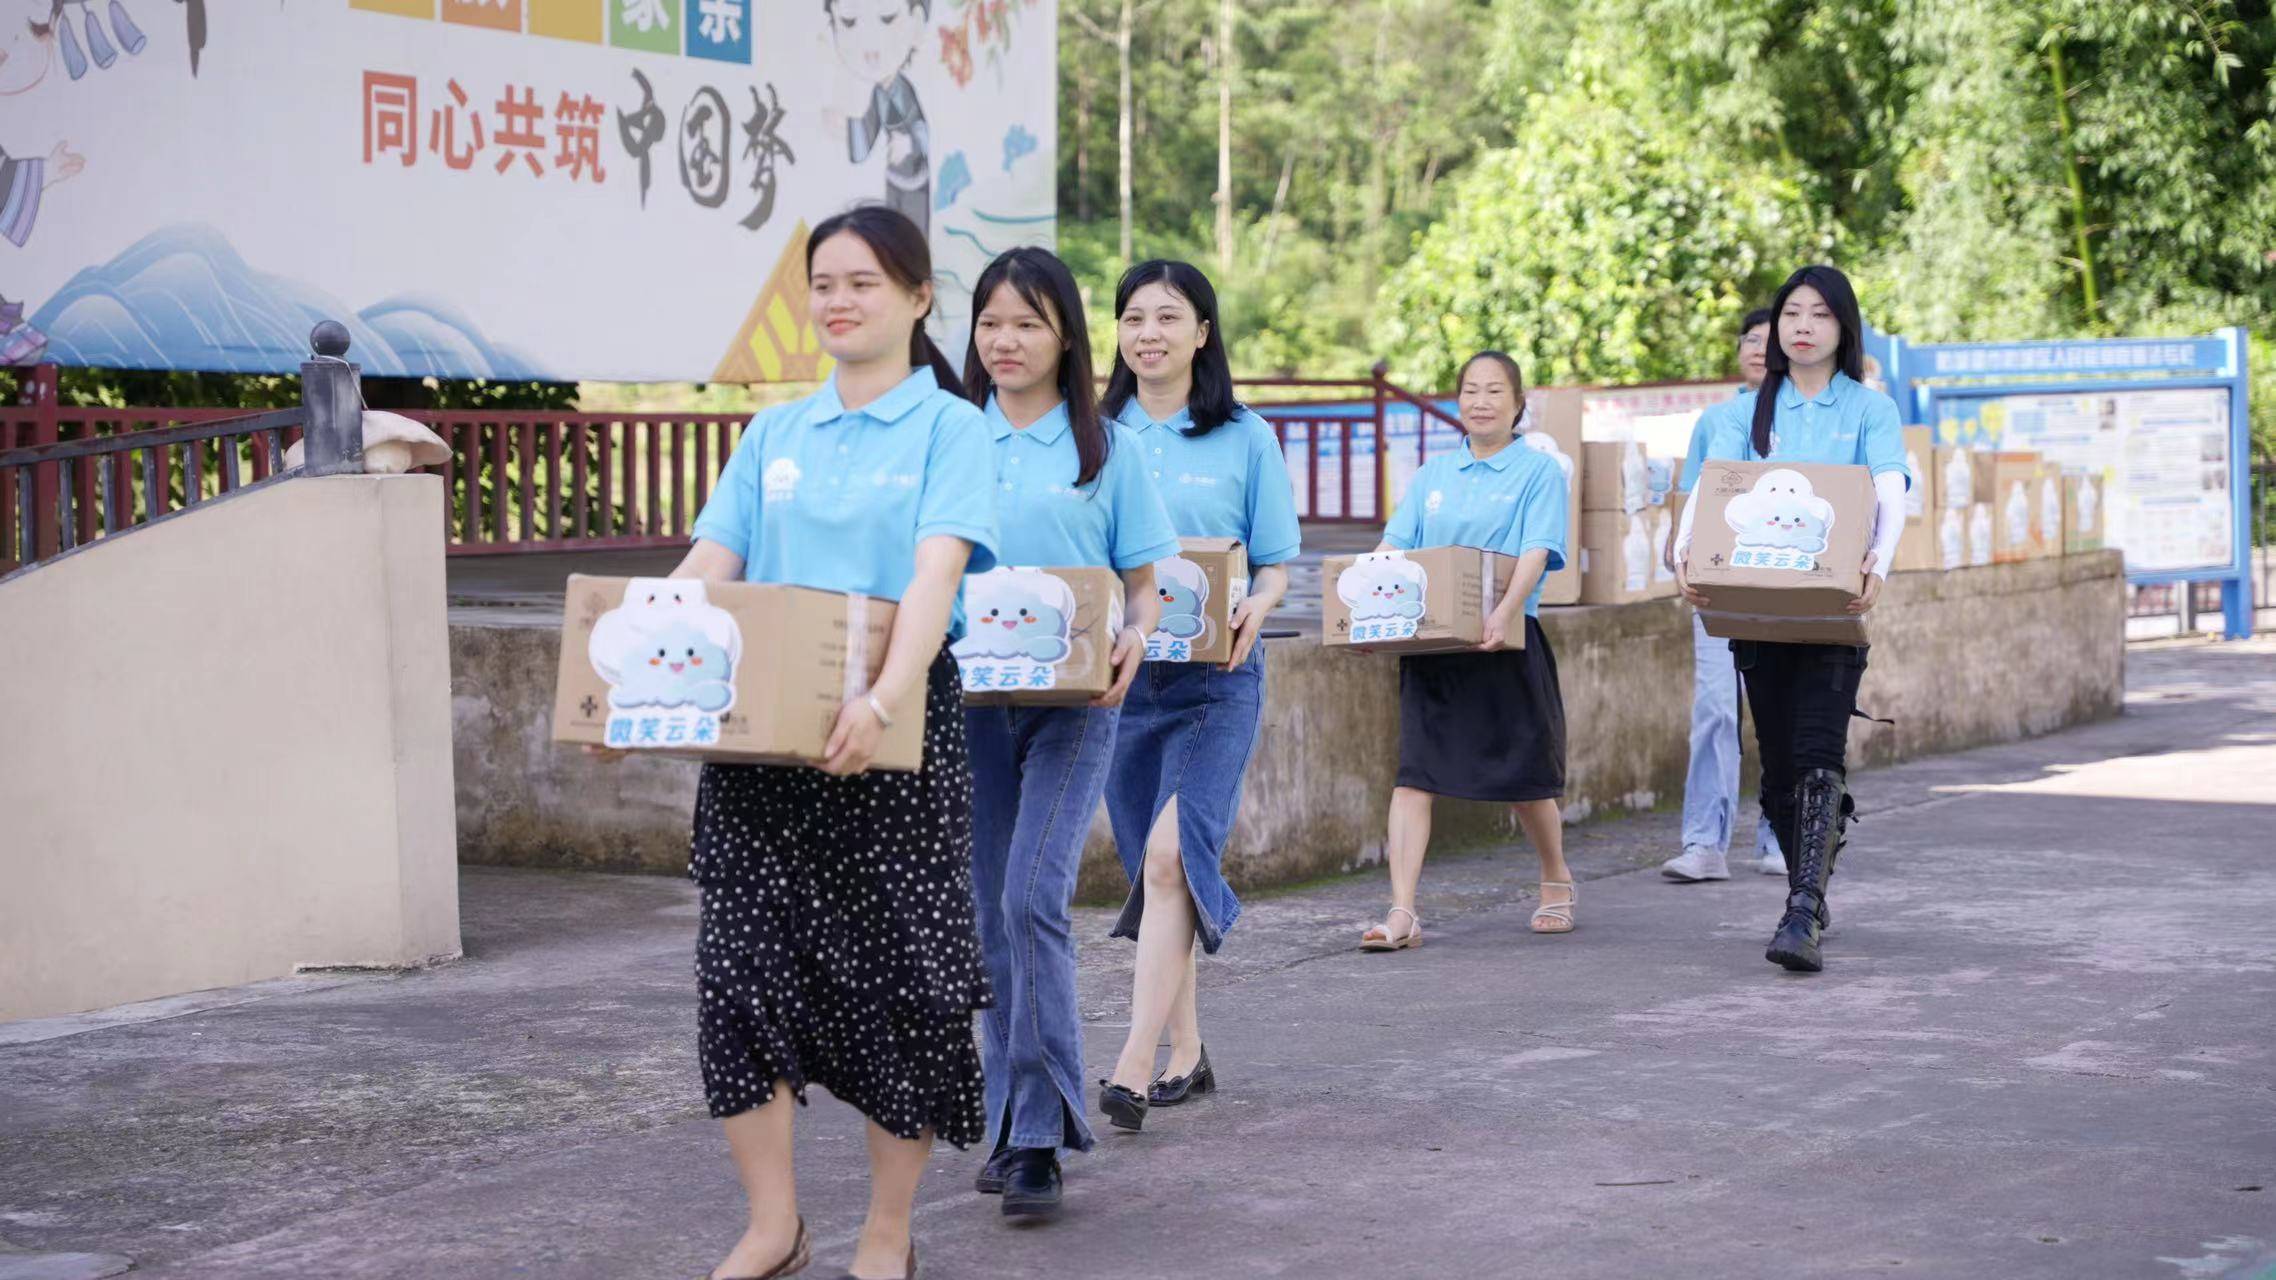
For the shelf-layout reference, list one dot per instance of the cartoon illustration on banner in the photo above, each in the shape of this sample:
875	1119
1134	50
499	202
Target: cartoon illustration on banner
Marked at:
621	192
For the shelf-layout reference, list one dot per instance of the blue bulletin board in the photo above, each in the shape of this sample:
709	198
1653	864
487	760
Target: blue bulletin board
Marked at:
2163	422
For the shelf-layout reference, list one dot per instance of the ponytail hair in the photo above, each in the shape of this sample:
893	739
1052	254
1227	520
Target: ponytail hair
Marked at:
1045	283
901	250
1848	351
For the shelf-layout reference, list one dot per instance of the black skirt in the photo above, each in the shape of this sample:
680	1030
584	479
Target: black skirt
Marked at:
1484	726
836	945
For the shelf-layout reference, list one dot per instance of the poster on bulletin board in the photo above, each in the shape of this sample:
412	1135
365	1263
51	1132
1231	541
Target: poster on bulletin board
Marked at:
2163	456
547	189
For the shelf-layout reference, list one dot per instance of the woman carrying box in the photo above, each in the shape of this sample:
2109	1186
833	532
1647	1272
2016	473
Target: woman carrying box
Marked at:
1488	725
1812	407
1070	492
836	944
1188	728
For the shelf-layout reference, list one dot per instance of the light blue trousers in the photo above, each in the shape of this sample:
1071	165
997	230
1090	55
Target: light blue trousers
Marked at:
1711	786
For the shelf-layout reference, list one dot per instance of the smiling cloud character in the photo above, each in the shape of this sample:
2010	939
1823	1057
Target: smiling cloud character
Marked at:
1782	510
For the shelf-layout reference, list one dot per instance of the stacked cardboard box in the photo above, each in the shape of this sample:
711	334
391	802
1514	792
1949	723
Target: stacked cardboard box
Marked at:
1555	429
1961	491
1917	548
2017	529
2082	513
1619	557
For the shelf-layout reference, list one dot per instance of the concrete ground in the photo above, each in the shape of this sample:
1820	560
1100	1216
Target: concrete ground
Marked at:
2045	1046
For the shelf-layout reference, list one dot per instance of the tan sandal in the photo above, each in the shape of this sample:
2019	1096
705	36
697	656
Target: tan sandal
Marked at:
1378	936
1556	917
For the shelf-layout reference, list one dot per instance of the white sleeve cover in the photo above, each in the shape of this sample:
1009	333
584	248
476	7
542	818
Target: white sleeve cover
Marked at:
1683	527
1888	518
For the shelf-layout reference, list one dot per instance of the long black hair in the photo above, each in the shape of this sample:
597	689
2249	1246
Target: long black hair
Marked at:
1210	403
1045	283
1848	353
901	249
1508	363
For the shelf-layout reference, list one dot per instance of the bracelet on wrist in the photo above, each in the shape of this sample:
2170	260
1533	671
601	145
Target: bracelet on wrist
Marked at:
877	709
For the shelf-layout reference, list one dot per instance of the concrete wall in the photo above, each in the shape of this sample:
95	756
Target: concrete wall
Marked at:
1959	660
224	749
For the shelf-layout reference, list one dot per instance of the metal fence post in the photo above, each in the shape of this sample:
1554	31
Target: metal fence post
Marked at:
330	391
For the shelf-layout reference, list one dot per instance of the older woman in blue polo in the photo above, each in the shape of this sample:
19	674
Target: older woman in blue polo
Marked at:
1488	725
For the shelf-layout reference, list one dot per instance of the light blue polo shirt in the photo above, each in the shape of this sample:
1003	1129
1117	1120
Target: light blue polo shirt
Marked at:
1511	502
1697	452
819	496
1117	520
1846	423
1229	483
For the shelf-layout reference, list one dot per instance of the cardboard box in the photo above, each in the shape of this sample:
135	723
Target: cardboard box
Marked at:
1779	550
1619	558
1920	462
1042	637
1953	487
1201	586
732	671
1663	539
2015	507
1917	547
1980	525
1429	600
1555	429
1952	549
2048	509
1614	477
2082	514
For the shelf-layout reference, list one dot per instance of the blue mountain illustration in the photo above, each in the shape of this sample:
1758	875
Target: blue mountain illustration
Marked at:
182	298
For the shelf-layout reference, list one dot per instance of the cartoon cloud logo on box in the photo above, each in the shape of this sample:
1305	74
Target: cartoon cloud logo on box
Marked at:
1019	628
1185	624
669	657
1781	523
1384	594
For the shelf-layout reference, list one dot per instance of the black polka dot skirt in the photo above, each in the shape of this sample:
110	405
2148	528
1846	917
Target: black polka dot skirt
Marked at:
836	946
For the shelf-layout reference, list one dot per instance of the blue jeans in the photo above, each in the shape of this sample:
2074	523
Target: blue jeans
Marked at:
1187	733
1037	775
1711	786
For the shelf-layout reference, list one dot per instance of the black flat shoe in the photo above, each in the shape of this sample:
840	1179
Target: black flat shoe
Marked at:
1124	1108
990	1180
1032	1183
1168	1091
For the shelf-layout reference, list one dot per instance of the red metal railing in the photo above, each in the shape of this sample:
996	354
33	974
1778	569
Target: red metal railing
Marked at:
55	503
552	481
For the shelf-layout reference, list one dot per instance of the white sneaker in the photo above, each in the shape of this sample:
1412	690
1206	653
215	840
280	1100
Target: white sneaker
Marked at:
1696	862
1771	863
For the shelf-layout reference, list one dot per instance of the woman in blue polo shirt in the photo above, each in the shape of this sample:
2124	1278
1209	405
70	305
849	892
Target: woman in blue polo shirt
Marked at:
1070	492
1813	407
1488	725
1188	728
836	945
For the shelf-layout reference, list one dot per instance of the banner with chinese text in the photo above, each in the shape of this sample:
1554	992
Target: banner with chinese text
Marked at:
558	189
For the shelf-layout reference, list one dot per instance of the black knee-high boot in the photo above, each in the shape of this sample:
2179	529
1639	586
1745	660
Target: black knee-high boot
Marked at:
1818	818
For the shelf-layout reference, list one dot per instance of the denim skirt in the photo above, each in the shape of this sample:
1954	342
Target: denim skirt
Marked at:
1188	729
